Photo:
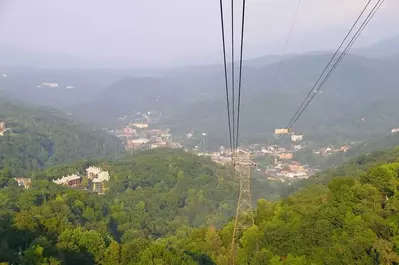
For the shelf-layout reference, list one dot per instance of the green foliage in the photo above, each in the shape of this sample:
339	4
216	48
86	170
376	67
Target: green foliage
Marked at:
41	138
356	151
151	195
157	192
162	205
353	220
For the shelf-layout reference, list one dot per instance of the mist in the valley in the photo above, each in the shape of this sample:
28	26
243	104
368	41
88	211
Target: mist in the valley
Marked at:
155	33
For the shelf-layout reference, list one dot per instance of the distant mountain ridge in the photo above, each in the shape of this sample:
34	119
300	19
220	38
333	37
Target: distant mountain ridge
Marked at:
194	97
197	100
387	48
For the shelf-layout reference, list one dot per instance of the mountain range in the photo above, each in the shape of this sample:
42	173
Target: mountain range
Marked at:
356	103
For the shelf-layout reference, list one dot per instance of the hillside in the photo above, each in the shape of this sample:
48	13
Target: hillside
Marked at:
21	84
369	154
177	188
152	194
352	220
387	48
306	156
39	137
196	100
157	198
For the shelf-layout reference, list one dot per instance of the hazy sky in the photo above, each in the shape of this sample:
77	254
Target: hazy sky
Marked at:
162	32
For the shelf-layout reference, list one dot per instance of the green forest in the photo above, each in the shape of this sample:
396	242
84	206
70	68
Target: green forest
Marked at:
172	207
39	138
307	157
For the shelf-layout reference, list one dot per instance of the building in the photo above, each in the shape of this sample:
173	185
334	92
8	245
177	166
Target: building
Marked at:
285	156
159	144
281	131
297	175
3	128
139	125
124	135
166	136
98	182
24	182
52	85
174	145
344	148
395	130
71	181
297	168
296	137
70	87
92	172
136	143
297	147
129	130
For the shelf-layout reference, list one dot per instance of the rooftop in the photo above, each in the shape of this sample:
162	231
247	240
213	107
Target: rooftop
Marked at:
66	179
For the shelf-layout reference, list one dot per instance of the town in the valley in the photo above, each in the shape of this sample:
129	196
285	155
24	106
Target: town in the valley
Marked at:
142	131
277	163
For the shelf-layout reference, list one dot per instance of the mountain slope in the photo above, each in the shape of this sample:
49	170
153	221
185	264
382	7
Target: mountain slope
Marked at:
351	220
176	188
197	100
387	48
39	137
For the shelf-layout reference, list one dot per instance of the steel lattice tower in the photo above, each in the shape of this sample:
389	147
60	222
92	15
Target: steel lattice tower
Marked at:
244	216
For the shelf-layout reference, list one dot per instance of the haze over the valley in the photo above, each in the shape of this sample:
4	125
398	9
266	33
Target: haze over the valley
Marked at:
157	33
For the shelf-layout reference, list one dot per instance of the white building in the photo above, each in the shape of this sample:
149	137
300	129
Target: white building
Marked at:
53	85
93	172
23	182
139	141
98	181
296	137
71	180
140	125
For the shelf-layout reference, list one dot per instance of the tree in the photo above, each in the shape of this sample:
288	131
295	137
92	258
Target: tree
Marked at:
112	255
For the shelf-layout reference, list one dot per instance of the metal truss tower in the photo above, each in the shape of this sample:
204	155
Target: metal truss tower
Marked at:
244	215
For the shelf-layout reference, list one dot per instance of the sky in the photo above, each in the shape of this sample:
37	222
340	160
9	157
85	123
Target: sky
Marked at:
151	33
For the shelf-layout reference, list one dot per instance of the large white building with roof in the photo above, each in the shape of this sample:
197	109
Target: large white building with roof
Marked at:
71	180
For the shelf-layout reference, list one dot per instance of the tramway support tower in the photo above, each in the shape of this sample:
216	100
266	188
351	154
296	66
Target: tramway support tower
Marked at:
244	215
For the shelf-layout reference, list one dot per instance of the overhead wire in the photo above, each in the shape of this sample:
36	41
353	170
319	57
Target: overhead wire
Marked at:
233	111
232	72
225	73
329	63
287	41
240	71
303	106
343	54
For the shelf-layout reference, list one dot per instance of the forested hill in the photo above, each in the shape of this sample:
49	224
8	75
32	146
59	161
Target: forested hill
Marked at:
156	198
156	192
353	219
39	137
152	194
306	155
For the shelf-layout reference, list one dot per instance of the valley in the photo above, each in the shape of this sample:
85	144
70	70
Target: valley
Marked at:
116	166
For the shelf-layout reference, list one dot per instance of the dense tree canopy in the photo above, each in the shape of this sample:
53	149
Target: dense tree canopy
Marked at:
171	207
352	220
41	138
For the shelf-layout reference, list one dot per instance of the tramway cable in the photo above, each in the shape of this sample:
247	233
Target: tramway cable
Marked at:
307	101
